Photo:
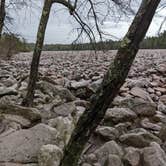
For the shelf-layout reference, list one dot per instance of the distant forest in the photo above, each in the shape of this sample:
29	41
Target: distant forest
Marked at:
158	42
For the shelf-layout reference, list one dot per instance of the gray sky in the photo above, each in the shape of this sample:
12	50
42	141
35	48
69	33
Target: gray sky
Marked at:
60	26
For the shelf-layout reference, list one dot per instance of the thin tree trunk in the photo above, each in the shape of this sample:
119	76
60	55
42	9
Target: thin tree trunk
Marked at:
28	100
2	15
113	80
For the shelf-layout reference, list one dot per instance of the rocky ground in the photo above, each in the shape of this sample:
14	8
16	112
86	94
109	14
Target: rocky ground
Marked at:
133	132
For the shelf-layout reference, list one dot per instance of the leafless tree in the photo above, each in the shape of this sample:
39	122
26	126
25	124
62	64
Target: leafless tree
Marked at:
2	15
113	80
5	8
87	13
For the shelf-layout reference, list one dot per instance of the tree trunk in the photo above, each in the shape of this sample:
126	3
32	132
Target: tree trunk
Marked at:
2	15
28	100
113	80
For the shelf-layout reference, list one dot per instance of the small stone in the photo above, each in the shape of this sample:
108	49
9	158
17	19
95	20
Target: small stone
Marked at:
161	90
91	158
80	84
154	84
163	99
158	93
150	90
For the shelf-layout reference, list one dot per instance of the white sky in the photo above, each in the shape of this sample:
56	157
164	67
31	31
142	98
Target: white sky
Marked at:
61	24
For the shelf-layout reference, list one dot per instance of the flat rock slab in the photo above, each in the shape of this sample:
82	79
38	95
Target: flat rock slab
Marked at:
7	91
31	114
138	92
17	164
23	146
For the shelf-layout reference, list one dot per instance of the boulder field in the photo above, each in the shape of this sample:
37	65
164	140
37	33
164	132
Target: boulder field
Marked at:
132	133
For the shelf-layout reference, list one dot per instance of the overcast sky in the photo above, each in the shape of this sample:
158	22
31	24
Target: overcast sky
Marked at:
60	26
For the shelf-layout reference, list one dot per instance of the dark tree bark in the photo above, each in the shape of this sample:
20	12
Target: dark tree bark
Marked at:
113	80
2	15
28	100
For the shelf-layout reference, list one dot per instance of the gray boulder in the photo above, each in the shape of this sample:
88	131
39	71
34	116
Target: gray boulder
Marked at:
49	155
64	110
140	138
23	146
132	156
139	106
108	148
31	114
108	133
154	155
117	115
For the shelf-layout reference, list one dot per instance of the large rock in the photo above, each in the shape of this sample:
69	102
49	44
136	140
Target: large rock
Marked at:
10	122
31	114
49	155
81	89
163	99
108	133
52	91
139	106
113	160
80	84
162	104
140	138
95	85
132	156
117	115
65	126
138	92
64	110
7	91
23	146
108	148
17	164
146	124
141	83
162	68
154	155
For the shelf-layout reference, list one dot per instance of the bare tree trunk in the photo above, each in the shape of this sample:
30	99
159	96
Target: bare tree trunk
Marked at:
28	100
113	80
2	15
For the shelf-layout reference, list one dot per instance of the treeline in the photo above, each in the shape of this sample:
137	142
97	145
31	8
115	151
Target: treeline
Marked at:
157	42
11	44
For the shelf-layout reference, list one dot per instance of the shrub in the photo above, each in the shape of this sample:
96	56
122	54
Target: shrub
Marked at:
11	44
